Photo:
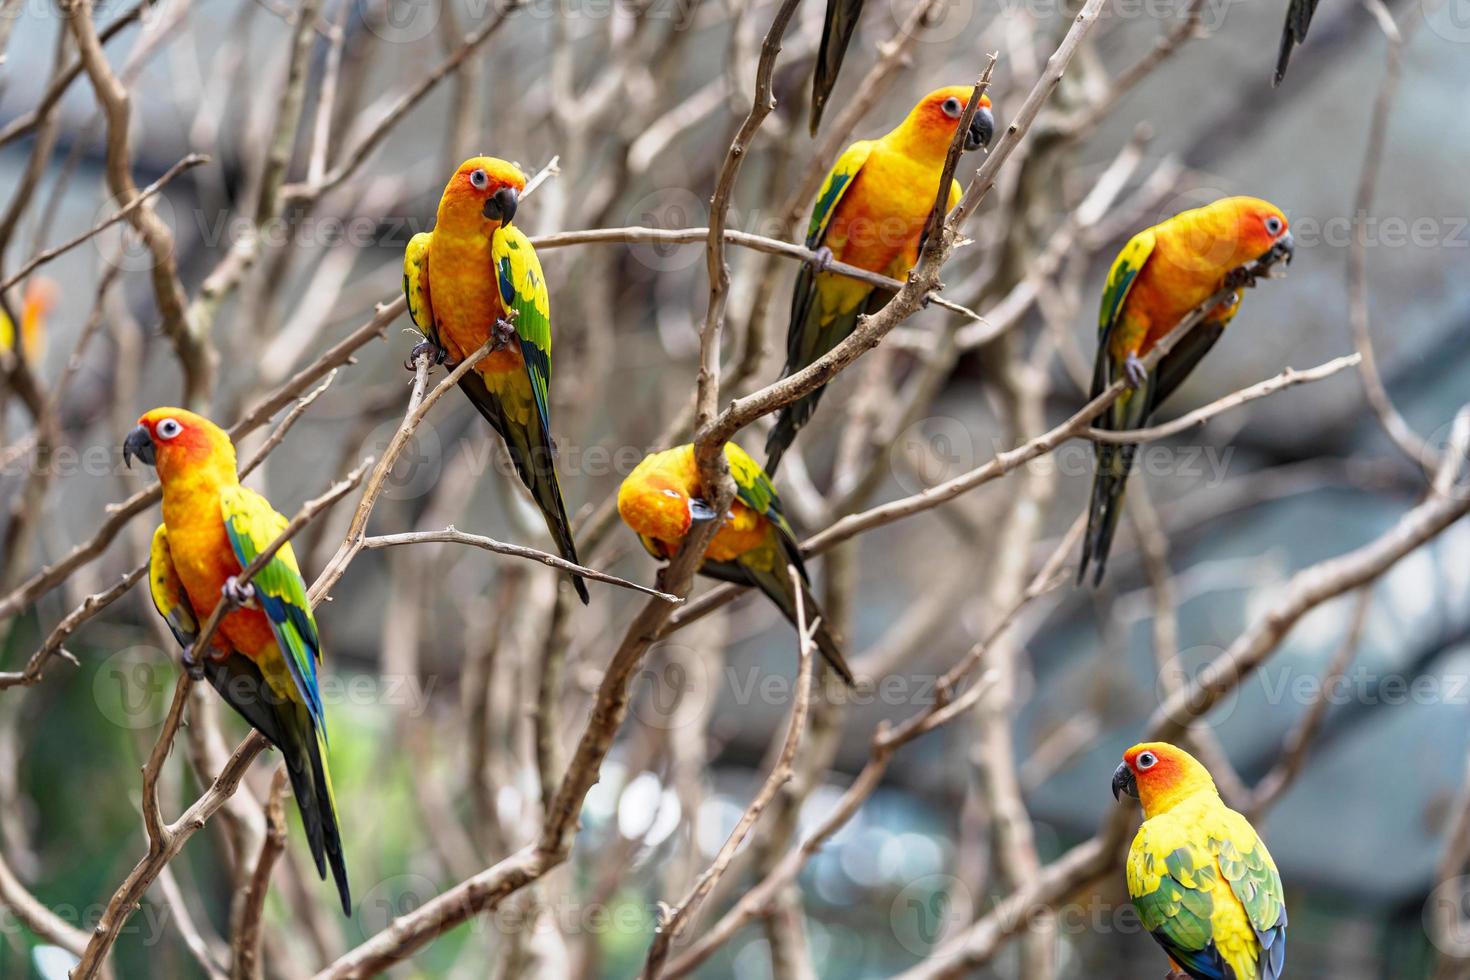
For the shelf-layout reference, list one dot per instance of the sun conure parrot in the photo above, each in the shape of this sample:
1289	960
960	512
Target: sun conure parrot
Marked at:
870	213
460	280
663	498
1203	883
36	305
263	658
1158	278
1298	19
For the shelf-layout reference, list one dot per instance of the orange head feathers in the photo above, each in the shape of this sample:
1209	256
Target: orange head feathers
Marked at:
483	189
176	441
657	500
1159	775
1226	234
930	125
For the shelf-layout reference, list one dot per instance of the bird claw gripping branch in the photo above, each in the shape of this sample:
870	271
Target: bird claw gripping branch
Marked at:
426	347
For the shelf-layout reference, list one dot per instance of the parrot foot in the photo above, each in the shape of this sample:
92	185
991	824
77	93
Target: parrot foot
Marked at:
1134	372
237	594
504	332
821	259
1241	278
427	347
193	665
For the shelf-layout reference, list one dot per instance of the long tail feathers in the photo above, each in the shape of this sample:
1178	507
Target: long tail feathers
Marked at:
535	460
289	728
1114	462
837	28
788	423
777	586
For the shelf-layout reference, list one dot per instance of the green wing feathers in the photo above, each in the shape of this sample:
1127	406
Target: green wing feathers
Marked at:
295	722
1114	462
522	287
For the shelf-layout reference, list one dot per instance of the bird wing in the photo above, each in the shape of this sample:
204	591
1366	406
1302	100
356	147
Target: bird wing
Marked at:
522	287
252	524
416	285
169	597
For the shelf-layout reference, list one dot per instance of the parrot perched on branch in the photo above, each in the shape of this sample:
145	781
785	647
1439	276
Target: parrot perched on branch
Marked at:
1203	883
870	213
264	656
663	498
476	275
1157	280
36	304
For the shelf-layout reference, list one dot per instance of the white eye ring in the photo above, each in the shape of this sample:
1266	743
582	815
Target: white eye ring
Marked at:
168	428
479	179
1146	760
1273	225
952	107
672	493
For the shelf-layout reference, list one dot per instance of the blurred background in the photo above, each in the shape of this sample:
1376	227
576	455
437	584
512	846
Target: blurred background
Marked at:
445	664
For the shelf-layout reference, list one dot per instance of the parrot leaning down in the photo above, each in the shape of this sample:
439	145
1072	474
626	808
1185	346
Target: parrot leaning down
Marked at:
36	304
870	213
264	656
1159	277
663	498
1203	883
460	280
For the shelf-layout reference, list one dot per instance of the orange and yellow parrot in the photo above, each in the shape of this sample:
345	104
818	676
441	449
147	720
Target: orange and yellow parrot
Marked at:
36	305
1203	883
870	213
1159	277
263	658
476	276
663	498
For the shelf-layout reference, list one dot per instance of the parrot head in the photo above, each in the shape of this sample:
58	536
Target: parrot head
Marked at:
1159	775
1231	233
937	115
659	499
176	441
1263	232
483	189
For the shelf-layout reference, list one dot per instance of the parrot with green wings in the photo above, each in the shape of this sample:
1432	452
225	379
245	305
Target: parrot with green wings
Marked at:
476	276
1203	883
870	213
264	656
663	498
1156	281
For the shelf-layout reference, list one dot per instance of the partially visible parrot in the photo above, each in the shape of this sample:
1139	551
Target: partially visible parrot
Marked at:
263	658
838	24
1202	881
1158	278
460	280
663	498
1298	19
36	304
870	213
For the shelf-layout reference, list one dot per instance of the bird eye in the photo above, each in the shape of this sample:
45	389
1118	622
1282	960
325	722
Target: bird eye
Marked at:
952	107
1146	760
167	429
1273	225
671	493
479	179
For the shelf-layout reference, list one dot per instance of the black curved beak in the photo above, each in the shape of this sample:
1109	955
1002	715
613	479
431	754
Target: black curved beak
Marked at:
982	129
700	511
1283	250
501	206
140	444
1124	782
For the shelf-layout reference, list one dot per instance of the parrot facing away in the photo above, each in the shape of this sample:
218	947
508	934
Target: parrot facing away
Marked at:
1159	277
1293	32
264	656
870	213
663	498
463	281
36	304
1203	883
